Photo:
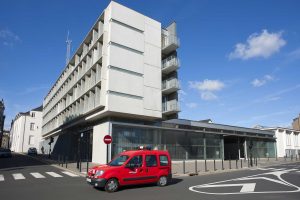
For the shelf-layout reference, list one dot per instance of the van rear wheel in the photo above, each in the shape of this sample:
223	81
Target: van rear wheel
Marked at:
111	185
162	181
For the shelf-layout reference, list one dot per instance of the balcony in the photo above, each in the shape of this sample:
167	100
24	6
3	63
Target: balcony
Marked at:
169	86
170	107
170	64
169	43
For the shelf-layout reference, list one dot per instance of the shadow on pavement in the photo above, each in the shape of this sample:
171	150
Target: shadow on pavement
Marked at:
18	161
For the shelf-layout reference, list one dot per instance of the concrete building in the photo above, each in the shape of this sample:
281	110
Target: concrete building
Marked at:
26	130
296	123
126	67
287	141
5	140
2	119
122	81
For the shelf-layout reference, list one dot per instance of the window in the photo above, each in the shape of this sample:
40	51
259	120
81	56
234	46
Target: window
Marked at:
31	140
288	139
118	161
33	114
31	126
163	160
136	161
151	161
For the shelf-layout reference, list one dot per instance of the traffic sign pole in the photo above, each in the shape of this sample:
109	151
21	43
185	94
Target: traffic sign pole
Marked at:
107	140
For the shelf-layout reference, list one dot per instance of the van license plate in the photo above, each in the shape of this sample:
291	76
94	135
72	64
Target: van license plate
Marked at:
88	180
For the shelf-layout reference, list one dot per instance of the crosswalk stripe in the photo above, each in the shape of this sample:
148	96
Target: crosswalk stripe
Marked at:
37	175
1	177
53	174
18	176
70	174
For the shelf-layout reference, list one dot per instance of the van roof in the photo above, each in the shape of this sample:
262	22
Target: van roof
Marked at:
134	152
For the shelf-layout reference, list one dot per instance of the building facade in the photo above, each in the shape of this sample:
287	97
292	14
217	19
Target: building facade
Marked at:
26	130
5	140
122	81
2	119
287	141
296	123
126	67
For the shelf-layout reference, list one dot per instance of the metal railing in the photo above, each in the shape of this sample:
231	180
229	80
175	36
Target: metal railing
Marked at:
169	40
170	83
172	105
170	61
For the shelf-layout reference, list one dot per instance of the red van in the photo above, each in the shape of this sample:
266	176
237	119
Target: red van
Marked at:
132	168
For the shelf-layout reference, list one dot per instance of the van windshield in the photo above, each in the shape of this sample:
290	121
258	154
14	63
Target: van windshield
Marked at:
119	160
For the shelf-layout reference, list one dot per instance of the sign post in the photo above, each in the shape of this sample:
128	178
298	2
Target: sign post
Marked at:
107	140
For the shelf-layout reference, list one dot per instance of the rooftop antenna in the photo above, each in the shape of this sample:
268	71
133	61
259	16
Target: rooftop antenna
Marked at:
68	41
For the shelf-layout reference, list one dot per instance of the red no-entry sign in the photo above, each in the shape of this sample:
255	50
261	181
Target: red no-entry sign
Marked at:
107	139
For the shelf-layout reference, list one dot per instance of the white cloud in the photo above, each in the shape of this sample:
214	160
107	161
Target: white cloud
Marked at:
260	82
9	38
207	88
192	105
207	85
263	45
208	96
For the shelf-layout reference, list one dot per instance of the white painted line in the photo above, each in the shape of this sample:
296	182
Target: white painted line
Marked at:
53	174
298	171
37	175
246	187
18	176
70	174
1	177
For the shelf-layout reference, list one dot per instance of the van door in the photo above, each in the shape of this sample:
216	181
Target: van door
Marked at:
133	172
151	168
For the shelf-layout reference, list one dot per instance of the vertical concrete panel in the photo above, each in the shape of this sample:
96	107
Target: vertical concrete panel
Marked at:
99	148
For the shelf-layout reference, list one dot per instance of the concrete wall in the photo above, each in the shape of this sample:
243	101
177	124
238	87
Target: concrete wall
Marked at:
99	148
131	62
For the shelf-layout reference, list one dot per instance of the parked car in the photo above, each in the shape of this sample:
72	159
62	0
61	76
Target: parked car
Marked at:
5	153
32	151
132	168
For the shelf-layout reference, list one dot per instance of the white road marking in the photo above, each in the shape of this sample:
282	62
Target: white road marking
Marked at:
246	187
53	174
277	174
18	176
1	177
37	175
70	174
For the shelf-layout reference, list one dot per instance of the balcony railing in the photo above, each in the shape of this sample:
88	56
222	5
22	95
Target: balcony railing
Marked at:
170	107
170	43
169	64
170	85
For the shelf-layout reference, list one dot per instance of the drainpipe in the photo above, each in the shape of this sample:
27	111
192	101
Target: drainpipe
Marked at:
23	134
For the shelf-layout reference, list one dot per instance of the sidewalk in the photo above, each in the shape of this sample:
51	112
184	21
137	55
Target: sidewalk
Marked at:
181	168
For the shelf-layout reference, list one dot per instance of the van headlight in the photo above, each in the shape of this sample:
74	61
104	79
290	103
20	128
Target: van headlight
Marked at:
99	172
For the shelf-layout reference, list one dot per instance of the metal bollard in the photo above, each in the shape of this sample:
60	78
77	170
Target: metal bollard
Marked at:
80	165
215	165
222	164
87	167
248	163
268	158
196	167
291	157
229	164
256	162
183	165
66	161
236	163
241	164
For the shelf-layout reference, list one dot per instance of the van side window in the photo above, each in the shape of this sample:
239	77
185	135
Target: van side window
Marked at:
151	161
136	161
163	160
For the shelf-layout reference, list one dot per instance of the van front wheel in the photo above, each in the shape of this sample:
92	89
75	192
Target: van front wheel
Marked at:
162	181
111	185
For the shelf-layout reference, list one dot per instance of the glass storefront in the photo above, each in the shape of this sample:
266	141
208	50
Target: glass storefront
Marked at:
182	144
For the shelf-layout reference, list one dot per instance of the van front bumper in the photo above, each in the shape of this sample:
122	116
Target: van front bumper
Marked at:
97	182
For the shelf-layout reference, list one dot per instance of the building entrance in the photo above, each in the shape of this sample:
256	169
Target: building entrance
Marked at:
234	147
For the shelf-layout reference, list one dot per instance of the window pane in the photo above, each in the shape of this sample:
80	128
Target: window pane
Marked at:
151	161
163	161
136	161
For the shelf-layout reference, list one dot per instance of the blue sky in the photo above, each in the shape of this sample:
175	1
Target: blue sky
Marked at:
239	59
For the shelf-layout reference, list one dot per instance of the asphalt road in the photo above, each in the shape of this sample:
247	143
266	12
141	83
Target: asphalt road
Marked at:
22	177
